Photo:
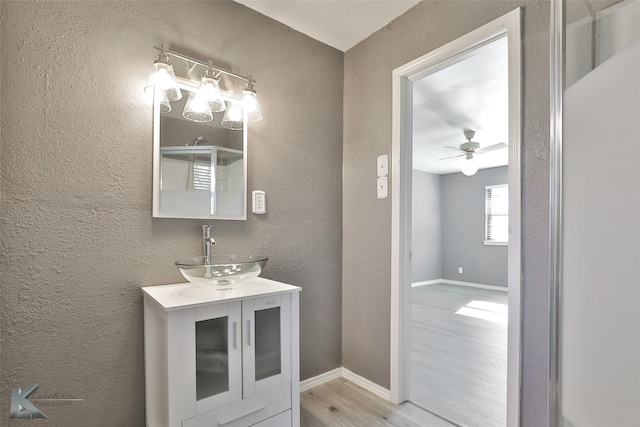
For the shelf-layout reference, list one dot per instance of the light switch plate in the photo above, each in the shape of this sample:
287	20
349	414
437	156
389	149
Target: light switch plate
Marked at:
383	190
383	165
259	199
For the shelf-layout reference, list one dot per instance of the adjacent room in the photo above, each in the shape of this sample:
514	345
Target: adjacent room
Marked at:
459	238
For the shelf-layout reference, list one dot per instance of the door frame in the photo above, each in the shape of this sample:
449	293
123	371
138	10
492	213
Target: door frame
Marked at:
508	26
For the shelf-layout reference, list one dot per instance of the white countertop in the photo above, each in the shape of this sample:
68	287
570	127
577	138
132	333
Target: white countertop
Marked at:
173	297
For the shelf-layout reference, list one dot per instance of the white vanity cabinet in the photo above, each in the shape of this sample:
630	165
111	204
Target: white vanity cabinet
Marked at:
222	357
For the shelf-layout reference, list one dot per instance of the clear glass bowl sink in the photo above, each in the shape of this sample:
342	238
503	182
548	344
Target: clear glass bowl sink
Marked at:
221	271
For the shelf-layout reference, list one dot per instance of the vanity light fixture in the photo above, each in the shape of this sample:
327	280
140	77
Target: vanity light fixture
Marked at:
162	78
208	99
165	105
249	101
232	118
210	90
197	108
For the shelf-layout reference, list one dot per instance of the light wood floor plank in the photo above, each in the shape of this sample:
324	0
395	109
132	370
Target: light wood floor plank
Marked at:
340	403
459	363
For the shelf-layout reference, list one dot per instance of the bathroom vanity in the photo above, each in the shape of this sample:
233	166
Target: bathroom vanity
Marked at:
222	357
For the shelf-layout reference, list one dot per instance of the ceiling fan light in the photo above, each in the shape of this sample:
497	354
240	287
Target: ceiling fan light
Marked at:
469	167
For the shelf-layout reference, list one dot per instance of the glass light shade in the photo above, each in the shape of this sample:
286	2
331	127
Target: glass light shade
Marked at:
197	109
162	77
210	90
232	118
469	167
249	101
163	101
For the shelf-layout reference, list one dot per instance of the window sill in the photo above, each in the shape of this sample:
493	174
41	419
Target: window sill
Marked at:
494	243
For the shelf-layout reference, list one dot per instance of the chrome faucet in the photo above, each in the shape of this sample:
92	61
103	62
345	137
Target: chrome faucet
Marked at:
207	241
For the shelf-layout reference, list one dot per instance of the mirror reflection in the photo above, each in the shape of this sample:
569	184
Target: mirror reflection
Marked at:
199	167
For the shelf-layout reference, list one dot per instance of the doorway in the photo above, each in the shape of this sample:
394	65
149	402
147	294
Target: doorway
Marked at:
459	238
479	174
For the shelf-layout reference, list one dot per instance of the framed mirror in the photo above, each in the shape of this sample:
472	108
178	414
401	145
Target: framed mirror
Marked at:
199	168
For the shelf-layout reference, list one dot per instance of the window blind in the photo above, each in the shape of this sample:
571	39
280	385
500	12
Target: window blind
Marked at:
497	214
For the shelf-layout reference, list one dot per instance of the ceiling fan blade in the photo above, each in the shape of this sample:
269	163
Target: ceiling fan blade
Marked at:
494	147
455	148
452	157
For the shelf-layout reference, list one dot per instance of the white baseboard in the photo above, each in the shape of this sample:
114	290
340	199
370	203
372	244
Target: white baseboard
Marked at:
367	385
426	283
320	379
348	375
459	283
475	285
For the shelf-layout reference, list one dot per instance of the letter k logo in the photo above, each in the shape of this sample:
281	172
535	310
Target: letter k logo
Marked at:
21	407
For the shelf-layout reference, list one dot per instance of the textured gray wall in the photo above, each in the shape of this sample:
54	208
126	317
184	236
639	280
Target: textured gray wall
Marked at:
77	238
463	215
426	226
367	220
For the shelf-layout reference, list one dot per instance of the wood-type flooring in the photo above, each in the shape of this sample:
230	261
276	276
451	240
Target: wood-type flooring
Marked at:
340	403
459	362
458	369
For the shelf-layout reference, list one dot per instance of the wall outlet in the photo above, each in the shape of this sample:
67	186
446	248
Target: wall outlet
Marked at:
460	270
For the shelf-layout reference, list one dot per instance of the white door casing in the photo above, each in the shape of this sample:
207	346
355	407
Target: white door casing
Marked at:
402	78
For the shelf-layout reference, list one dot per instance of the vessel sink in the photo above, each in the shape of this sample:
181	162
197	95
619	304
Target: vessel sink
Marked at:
221	271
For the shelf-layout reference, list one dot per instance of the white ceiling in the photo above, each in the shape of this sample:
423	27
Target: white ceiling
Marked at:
339	23
470	94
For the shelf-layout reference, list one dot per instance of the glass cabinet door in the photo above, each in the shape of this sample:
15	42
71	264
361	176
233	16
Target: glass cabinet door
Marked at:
267	343
217	376
212	357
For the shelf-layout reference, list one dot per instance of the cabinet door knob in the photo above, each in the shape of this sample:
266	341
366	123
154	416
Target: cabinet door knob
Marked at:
248	331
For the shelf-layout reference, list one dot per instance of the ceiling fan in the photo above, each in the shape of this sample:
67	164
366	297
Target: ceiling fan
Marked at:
469	149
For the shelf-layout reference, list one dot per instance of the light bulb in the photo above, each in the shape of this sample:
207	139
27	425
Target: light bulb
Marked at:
163	101
163	78
210	91
249	101
232	118
469	167
197	109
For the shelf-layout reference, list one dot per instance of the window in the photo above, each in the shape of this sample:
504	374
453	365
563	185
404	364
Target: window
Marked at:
201	176
496	224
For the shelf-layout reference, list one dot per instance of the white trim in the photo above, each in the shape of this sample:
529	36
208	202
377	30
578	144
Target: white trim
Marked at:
460	283
494	243
425	283
555	209
475	285
367	385
514	280
509	26
320	379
